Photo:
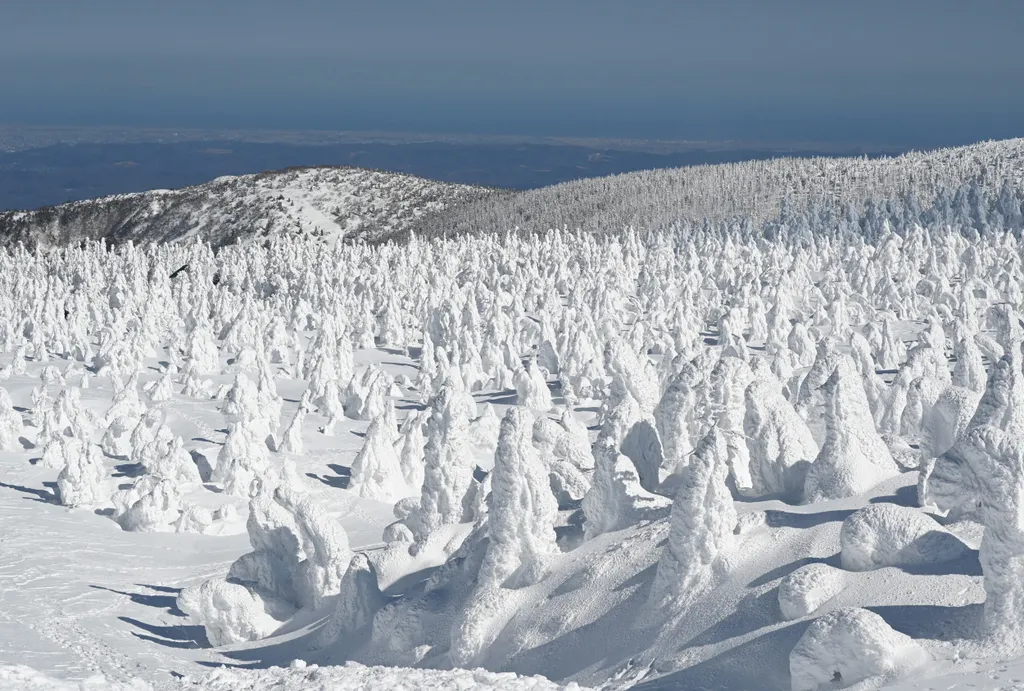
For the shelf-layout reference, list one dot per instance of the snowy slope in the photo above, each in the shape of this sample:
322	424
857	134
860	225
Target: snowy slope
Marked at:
753	191
328	202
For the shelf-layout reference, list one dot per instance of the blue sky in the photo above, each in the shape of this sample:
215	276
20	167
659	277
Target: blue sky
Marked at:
899	72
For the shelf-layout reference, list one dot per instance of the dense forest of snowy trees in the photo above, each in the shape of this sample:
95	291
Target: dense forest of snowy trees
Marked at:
603	433
956	182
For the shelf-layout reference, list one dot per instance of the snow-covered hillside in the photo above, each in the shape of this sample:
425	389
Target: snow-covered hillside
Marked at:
777	454
324	202
750	192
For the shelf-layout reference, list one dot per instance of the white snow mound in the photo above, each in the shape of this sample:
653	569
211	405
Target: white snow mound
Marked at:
889	535
851	647
808	588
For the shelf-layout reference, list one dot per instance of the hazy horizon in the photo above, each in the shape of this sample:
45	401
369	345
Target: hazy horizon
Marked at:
873	73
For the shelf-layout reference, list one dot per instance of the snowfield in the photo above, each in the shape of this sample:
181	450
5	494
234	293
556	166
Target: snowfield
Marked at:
774	453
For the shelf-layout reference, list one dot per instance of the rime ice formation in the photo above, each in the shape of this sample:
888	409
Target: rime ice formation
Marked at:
803	591
411	445
229	612
847	648
165	456
10	422
300	555
983	475
359	598
521	510
484	430
82	480
700	525
676	417
532	388
241	461
780	443
292	442
377	469
521	515
889	535
616	499
853	457
642	446
151	504
448	474
728	383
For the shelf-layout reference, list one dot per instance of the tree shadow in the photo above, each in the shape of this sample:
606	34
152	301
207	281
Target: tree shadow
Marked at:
222	665
409	581
904	496
753	612
967	565
506	397
786	569
184	636
732	669
46	496
132	470
166	602
935	622
638	579
411	405
160	588
775	518
590	645
341	480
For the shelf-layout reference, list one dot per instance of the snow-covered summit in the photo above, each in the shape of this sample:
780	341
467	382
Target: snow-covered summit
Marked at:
331	202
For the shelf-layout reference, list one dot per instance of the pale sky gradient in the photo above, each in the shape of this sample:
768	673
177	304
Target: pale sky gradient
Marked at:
896	72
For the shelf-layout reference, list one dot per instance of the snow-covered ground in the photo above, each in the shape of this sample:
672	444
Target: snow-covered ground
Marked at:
737	456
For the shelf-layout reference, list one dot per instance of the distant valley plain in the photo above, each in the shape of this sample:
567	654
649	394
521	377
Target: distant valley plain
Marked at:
42	167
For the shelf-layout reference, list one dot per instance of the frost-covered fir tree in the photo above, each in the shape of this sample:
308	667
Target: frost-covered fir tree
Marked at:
700	525
448	471
853	458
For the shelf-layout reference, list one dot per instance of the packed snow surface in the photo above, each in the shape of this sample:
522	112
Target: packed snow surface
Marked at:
782	452
297	677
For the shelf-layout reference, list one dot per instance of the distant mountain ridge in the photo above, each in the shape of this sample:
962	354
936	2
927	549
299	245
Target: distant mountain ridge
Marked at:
361	204
330	202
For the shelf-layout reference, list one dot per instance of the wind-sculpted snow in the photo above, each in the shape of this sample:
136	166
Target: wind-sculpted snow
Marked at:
321	202
656	458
